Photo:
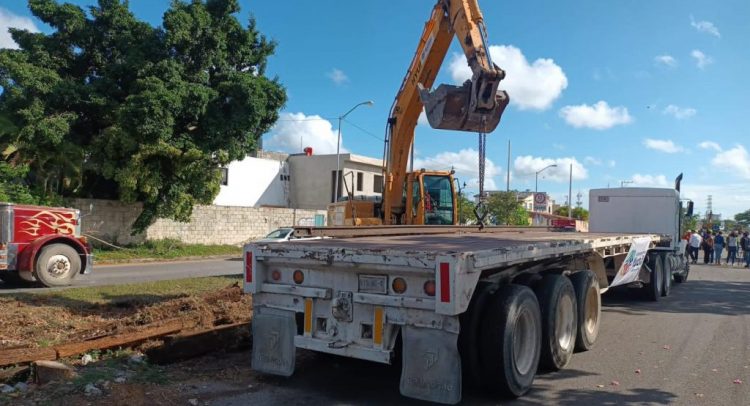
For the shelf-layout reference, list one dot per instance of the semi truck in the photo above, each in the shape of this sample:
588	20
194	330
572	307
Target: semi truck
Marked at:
460	305
42	245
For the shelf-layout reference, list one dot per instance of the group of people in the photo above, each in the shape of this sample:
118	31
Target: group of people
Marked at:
713	243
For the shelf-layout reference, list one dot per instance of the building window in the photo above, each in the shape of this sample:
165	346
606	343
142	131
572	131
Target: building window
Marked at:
224	176
377	184
360	181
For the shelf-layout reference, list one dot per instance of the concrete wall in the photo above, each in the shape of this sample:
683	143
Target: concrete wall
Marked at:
111	221
255	182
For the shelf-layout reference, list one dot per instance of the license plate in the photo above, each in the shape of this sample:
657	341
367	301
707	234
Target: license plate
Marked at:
373	284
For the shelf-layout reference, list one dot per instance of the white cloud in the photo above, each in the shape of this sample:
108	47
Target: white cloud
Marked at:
599	116
466	164
295	130
710	145
728	198
667	146
590	160
649	180
705	26
735	161
338	76
612	163
531	86
666	60
679	113
10	20
701	60
526	166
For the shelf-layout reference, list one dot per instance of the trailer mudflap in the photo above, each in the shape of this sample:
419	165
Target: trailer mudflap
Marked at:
431	365
273	341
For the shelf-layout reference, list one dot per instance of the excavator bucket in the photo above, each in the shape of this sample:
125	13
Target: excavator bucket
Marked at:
449	108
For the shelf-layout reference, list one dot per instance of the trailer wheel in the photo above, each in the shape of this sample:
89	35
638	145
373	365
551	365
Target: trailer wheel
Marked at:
589	304
657	274
557	302
667	279
469	335
682	277
510	340
57	265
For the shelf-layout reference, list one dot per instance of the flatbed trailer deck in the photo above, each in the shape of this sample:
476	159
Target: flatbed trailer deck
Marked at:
427	294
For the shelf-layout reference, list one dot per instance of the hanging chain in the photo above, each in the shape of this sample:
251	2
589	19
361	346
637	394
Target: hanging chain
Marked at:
481	208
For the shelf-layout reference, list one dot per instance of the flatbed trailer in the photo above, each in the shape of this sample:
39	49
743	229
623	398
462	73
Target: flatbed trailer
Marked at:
458	305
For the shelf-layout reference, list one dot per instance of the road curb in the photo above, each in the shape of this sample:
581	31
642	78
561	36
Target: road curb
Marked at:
154	260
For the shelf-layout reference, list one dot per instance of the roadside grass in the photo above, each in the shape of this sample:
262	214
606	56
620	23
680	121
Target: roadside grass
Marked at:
145	292
161	249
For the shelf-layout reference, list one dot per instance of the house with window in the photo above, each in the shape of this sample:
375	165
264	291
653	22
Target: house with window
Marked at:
313	178
261	179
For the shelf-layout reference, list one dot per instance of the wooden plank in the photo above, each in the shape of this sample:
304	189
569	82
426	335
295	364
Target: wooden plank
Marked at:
193	344
26	355
118	340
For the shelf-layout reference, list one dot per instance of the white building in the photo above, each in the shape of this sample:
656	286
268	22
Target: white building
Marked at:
255	181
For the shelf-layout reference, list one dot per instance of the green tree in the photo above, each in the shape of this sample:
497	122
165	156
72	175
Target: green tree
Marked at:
108	106
578	212
743	218
505	208
465	210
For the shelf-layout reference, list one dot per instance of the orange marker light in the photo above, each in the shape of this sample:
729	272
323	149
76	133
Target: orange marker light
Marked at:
399	285
298	277
429	288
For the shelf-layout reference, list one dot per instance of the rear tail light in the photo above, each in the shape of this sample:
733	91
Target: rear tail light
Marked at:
298	277
399	285
249	267
429	288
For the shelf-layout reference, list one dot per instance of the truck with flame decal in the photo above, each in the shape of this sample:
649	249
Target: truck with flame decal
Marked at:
42	244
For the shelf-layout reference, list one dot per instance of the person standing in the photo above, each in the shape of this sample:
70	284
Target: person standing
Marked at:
718	247
695	244
732	245
745	245
708	248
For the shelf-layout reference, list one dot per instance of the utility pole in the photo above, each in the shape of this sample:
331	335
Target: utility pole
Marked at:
579	203
570	192
507	170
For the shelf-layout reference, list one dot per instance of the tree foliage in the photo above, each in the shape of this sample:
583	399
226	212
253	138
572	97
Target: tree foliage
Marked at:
579	213
465	210
107	106
505	208
743	218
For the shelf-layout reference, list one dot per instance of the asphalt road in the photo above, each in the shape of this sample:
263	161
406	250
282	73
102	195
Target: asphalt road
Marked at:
687	349
144	272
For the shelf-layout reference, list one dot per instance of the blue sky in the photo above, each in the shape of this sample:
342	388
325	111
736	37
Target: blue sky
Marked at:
624	90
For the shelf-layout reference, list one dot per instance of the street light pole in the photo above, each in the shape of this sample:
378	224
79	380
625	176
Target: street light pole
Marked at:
338	149
536	176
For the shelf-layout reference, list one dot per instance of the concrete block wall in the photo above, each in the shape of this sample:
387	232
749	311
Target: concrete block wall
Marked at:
111	221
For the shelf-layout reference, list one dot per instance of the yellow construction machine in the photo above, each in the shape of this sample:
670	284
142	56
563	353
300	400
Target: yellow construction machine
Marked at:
424	196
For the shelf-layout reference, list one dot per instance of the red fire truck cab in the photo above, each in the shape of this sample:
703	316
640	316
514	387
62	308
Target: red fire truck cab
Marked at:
42	244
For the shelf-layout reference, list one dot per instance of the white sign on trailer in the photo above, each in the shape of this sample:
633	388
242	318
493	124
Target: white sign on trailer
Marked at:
630	268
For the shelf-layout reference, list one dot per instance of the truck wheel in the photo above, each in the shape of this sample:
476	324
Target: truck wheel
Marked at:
11	278
557	302
667	279
57	265
682	277
657	274
510	340
589	304
469	334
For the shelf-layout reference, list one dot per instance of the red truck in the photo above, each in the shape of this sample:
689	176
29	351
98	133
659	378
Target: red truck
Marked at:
42	244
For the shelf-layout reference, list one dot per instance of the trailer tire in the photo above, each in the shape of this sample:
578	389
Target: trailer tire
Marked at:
667	279
589	303
557	302
510	340
57	265
682	277
654	286
468	337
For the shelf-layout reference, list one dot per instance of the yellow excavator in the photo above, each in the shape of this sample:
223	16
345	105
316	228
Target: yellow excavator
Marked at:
425	196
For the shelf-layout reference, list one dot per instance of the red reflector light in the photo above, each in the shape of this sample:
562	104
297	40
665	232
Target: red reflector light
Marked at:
249	267
276	275
298	277
445	287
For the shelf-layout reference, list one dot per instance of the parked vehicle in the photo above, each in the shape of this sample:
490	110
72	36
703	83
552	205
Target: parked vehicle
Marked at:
42	244
278	235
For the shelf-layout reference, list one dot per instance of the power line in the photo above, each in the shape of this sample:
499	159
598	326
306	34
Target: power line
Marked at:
364	131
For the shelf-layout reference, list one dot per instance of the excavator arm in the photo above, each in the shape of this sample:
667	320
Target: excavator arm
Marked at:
476	106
